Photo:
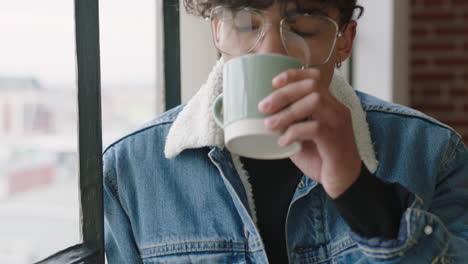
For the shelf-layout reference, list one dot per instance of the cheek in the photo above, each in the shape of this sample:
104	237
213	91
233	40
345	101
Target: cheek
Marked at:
335	54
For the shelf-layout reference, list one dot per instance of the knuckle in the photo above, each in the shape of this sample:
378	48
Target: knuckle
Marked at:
310	84
316	100
316	73
292	112
287	133
286	95
290	74
281	98
292	132
315	128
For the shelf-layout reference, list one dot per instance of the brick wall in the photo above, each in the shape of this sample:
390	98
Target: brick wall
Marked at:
439	61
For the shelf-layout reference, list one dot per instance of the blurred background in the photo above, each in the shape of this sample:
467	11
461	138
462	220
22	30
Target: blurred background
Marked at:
410	52
39	193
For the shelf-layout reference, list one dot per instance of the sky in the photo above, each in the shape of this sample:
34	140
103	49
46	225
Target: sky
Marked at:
37	40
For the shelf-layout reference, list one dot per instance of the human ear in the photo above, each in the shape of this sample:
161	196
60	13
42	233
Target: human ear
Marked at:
215	26
344	44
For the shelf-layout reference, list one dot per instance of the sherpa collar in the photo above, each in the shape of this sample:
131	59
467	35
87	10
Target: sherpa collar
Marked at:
195	127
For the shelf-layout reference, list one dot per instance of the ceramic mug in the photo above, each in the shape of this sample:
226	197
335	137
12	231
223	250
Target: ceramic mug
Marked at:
246	81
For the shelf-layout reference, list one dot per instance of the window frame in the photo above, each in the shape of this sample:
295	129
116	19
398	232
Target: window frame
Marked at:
172	83
91	250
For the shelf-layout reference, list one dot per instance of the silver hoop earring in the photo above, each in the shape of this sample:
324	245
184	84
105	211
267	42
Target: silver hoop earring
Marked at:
339	63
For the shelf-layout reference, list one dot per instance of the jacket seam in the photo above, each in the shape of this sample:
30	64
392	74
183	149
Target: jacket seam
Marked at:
161	122
411	115
332	251
111	182
450	155
189	251
114	189
167	117
195	241
446	247
319	259
192	249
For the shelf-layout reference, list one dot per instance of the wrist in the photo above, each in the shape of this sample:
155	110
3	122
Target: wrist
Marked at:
338	186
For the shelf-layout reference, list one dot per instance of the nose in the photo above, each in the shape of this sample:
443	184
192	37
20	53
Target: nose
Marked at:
271	42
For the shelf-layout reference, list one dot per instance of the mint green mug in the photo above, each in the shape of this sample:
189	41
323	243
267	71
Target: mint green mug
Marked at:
246	81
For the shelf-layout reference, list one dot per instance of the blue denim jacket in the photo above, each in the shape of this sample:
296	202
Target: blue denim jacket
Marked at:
194	209
196	206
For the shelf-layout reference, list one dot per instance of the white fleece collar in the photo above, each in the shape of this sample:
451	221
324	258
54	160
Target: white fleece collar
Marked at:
195	127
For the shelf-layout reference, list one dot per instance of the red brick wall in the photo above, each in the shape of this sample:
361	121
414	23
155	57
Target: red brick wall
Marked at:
439	61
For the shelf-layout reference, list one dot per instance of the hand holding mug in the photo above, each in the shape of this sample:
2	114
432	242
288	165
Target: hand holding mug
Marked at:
310	114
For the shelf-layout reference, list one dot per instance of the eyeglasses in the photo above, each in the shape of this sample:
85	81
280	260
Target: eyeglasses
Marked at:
308	37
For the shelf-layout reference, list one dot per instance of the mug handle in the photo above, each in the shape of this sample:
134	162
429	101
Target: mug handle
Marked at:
217	107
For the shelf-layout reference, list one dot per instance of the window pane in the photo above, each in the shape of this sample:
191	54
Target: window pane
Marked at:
128	65
39	202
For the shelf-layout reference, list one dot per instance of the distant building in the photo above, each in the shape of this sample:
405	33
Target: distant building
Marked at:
24	114
15	83
23	109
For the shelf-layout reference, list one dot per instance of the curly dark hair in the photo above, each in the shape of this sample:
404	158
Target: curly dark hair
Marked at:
204	7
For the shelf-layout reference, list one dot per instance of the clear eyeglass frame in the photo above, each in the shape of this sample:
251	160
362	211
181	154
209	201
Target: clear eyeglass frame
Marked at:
267	23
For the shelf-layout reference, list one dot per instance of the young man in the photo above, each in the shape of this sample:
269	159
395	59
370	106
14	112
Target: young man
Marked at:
374	182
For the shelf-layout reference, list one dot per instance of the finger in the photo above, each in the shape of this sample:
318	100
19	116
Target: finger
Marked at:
303	131
294	75
287	95
310	105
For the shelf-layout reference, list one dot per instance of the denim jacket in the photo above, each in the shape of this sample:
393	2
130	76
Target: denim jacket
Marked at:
193	203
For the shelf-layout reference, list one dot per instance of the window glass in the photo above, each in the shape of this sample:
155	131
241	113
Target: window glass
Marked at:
128	65
39	204
39	191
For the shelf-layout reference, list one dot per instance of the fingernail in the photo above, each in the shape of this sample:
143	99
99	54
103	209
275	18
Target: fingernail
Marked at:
271	122
265	106
279	79
282	141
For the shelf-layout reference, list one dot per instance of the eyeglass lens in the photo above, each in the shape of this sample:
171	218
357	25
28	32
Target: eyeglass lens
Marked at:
310	38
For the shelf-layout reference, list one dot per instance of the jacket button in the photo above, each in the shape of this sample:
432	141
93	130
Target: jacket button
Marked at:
428	230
